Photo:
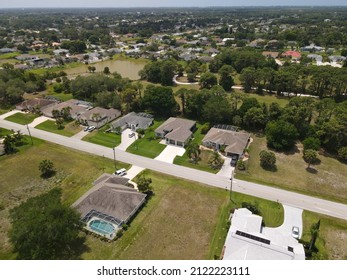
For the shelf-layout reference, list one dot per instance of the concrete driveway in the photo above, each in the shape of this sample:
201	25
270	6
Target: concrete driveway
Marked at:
170	152
133	172
292	217
15	111
126	140
226	169
39	120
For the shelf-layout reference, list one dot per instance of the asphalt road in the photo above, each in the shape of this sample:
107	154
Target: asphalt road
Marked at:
286	197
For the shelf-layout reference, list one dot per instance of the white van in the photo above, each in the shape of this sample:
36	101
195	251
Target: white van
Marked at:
121	172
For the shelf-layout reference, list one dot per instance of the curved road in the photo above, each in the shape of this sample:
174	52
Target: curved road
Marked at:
289	198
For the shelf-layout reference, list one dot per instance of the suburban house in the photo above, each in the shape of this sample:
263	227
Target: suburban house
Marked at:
77	107
273	55
176	131
133	121
109	205
292	54
247	239
35	104
233	142
98	116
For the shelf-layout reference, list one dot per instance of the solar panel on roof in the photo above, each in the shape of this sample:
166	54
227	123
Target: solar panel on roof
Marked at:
253	237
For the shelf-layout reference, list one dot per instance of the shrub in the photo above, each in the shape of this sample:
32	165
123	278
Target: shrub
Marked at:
267	159
251	207
240	165
311	143
205	128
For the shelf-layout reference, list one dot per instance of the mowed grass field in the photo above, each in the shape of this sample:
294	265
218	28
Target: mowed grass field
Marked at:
100	137
183	220
22	118
20	178
328	182
69	128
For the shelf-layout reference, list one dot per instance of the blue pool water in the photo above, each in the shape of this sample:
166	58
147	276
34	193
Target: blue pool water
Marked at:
101	226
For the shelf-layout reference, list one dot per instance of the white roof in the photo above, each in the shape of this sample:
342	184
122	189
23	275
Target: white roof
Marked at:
247	241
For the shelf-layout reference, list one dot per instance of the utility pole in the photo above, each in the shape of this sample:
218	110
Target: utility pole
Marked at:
231	184
32	142
114	158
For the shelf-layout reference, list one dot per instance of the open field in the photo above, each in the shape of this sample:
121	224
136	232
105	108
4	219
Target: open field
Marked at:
148	146
69	128
329	181
332	238
183	220
100	137
22	118
269	98
75	173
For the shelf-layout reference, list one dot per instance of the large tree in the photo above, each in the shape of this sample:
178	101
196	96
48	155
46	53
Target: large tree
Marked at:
44	229
281	135
160	100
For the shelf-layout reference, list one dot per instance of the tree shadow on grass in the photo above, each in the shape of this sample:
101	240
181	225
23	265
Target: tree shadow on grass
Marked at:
48	175
270	168
311	170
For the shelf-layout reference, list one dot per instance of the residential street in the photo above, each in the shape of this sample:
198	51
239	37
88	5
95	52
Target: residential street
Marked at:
289	198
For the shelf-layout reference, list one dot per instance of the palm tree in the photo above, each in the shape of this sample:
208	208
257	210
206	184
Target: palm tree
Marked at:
96	117
216	161
193	151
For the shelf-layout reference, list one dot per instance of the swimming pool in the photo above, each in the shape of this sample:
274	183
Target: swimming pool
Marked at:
101	226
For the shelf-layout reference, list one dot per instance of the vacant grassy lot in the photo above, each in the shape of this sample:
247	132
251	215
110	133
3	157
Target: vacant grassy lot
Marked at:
69	128
183	220
148	145
100	137
22	118
329	181
269	98
20	178
332	238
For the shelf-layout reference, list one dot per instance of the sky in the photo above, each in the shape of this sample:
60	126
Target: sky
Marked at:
165	3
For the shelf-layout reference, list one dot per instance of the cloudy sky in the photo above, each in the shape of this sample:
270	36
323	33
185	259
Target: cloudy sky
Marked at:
166	3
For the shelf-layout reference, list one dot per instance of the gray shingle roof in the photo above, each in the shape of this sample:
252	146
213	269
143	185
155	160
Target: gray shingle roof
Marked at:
236	142
111	197
176	129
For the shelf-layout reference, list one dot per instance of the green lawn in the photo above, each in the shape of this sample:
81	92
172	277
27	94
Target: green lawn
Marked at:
328	182
4	131
269	98
9	55
75	173
183	220
332	238
205	155
3	111
100	137
22	118
149	145
69	129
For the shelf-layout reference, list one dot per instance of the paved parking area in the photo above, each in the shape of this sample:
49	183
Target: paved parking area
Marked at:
170	152
292	217
126	140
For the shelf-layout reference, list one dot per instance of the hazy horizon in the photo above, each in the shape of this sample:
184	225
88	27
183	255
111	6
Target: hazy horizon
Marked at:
167	4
